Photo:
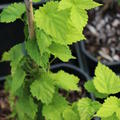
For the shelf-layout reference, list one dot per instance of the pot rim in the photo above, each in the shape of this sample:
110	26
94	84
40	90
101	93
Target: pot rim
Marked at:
70	66
95	59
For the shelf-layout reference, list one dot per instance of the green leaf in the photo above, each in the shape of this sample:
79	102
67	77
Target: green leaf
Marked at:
45	60
79	18
18	77
79	15
43	40
26	108
65	80
58	23
87	108
54	110
61	51
109	107
33	50
52	21
7	84
89	86
69	114
113	117
106	81
12	12
81	4
34	53
5	57
15	55
36	0
43	88
73	34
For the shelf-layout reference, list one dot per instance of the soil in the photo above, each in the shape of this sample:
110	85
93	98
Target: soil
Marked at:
103	34
4	105
73	96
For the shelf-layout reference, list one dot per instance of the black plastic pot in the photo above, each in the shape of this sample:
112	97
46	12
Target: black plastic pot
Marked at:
73	70
69	68
92	62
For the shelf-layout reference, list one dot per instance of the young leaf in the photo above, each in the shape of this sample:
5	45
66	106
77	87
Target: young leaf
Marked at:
16	54
79	18
5	57
79	15
109	107
26	108
87	108
61	51
73	34
54	110
18	77
113	117
33	51
12	12
106	81
65	80
52	21
43	40
69	114
81	4
43	88
89	86
45	60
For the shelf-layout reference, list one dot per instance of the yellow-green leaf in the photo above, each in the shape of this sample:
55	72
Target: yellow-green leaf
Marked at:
43	88
65	80
61	51
106	81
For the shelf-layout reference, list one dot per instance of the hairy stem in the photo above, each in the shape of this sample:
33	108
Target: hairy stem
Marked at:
30	17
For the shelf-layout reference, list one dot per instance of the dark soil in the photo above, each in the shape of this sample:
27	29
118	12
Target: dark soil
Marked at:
4	105
73	96
103	34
